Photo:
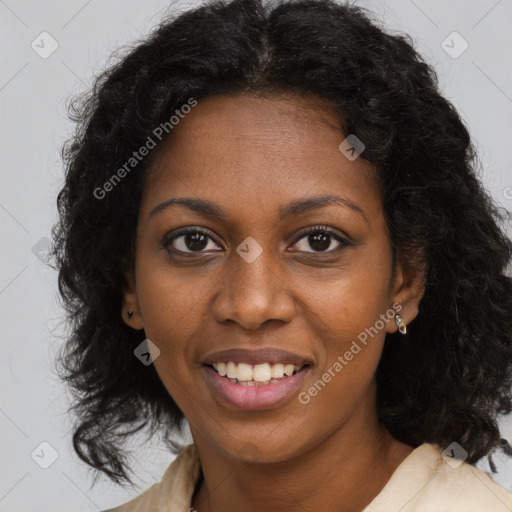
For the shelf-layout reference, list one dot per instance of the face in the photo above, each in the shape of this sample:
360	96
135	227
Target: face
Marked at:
248	275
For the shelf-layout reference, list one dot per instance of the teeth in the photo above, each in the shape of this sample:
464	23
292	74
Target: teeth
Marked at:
221	368
251	383
231	373
244	372
261	373
250	374
277	370
288	369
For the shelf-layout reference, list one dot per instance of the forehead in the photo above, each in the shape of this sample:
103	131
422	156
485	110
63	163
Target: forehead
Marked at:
253	151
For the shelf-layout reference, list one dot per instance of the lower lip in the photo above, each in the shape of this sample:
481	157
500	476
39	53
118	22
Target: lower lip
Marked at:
254	397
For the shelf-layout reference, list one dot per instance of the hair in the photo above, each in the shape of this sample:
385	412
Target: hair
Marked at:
450	377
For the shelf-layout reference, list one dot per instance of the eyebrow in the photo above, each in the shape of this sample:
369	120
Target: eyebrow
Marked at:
296	207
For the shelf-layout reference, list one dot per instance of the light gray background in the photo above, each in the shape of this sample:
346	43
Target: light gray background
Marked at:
33	92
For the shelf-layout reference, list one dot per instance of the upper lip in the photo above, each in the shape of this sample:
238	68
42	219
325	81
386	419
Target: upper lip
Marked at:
257	356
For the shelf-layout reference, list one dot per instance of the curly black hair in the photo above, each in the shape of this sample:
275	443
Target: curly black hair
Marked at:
450	377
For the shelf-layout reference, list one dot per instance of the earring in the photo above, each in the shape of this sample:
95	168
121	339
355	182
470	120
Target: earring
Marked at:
400	324
130	313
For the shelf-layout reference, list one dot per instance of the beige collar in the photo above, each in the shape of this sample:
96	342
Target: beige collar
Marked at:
423	482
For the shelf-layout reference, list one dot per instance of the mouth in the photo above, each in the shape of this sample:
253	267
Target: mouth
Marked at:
238	389
246	374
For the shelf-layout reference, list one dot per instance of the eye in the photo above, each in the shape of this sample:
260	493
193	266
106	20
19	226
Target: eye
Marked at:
189	240
320	238
196	240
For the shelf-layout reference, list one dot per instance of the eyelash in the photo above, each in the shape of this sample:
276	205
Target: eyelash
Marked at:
167	242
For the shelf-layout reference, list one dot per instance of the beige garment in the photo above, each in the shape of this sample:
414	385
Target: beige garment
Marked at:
423	482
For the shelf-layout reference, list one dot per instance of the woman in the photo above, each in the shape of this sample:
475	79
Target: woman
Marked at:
271	227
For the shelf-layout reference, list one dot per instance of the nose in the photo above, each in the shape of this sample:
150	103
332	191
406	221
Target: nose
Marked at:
253	293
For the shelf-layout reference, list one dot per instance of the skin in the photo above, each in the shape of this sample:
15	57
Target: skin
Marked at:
251	155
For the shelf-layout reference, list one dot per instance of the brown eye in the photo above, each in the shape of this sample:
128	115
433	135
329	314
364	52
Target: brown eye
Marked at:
321	240
190	240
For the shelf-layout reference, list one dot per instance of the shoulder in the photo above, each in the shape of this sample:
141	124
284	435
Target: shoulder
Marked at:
428	482
175	489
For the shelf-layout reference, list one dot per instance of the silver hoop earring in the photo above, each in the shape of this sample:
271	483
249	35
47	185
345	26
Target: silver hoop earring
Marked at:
130	313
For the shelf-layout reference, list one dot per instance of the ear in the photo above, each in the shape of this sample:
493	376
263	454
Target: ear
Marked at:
407	289
131	302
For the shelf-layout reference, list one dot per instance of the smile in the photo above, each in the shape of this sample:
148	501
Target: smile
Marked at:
252	393
246	374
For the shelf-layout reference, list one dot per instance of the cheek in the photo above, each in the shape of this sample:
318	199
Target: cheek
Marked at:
351	314
173	307
368	283
353	298
352	346
170	298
